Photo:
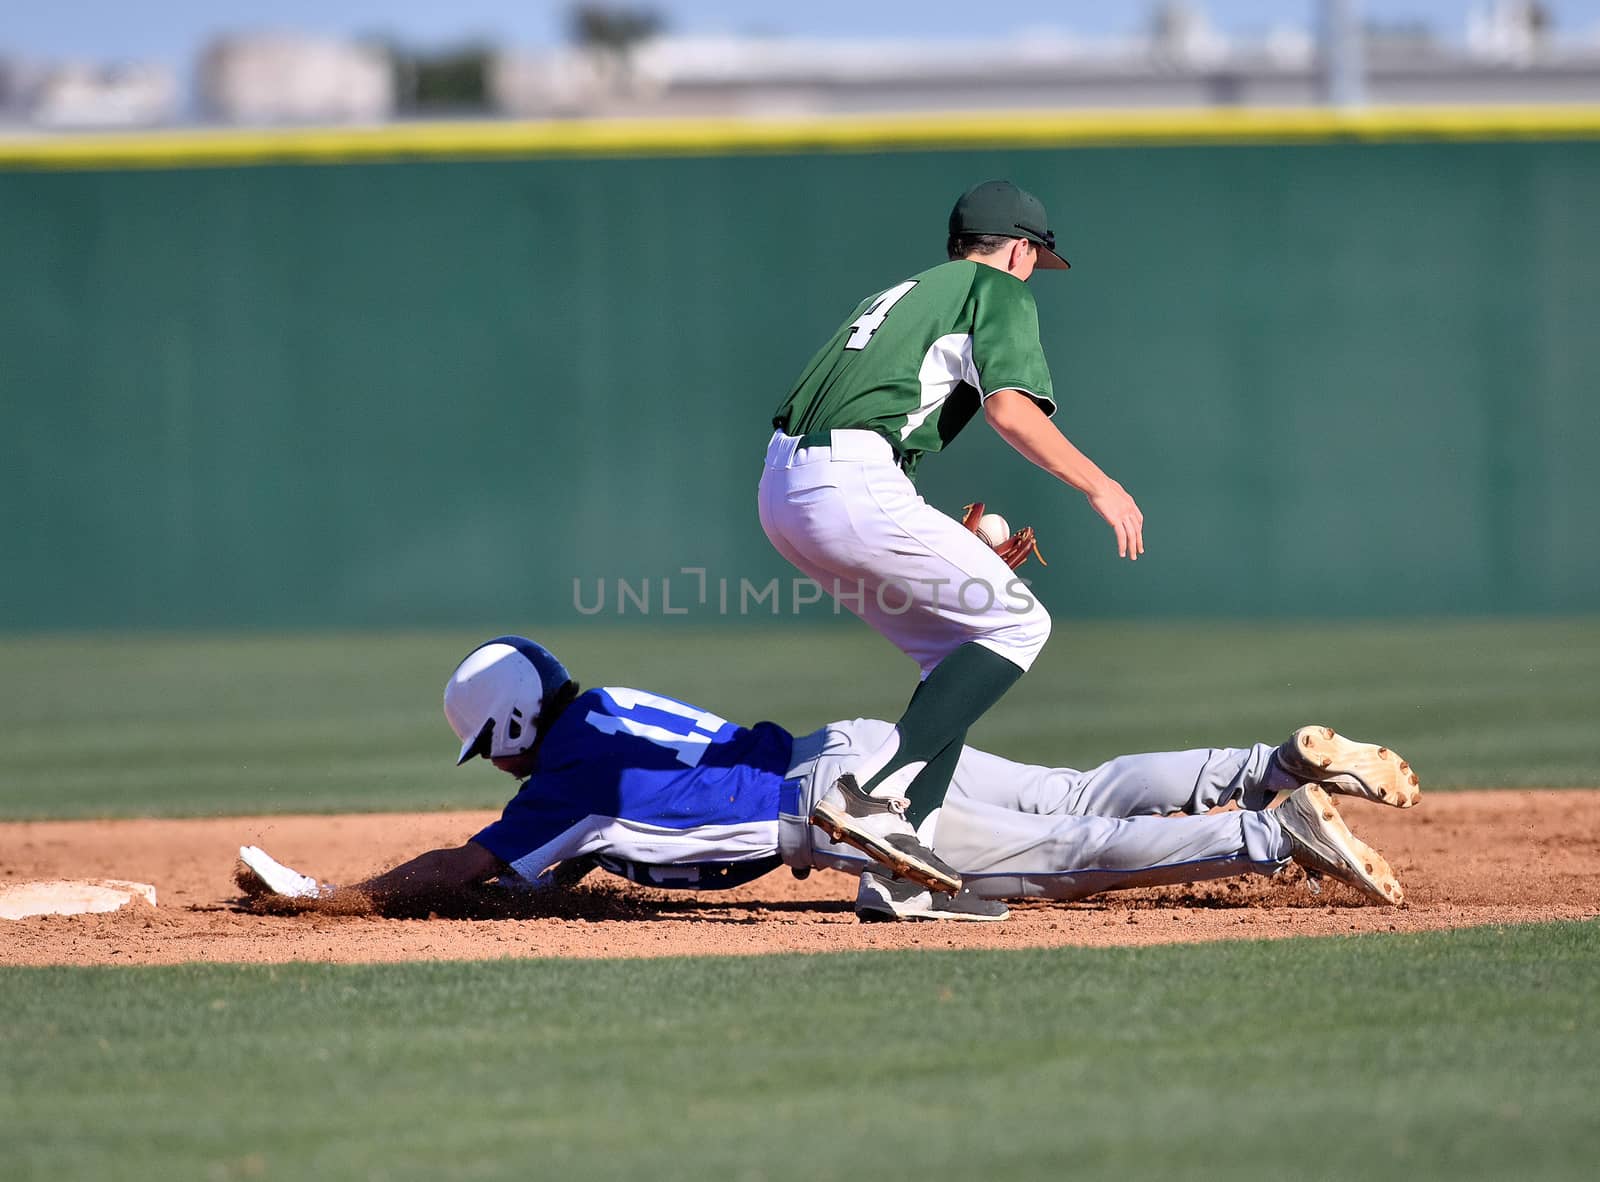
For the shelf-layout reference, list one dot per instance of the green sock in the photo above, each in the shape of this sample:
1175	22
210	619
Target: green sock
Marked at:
926	792
949	700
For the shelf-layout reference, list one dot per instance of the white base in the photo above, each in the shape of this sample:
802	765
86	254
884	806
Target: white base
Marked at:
62	896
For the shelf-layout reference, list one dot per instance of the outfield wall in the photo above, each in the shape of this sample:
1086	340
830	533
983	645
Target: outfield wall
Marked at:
316	384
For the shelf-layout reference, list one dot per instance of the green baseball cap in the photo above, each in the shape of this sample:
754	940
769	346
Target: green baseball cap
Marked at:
999	207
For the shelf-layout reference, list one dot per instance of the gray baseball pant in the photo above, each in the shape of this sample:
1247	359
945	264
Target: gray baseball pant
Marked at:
1019	831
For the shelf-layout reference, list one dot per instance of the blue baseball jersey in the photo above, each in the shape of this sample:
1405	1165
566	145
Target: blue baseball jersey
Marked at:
643	782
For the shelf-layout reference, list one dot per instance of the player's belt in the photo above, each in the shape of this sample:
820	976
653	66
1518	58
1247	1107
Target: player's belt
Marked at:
693	876
825	439
803	756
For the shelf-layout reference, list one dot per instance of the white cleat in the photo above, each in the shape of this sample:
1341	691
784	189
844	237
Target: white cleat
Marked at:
1324	845
1365	770
274	877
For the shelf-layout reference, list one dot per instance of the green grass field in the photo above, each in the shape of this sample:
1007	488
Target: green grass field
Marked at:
1460	1055
113	725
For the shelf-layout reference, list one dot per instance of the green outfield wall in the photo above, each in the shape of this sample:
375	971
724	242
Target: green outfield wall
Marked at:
1341	375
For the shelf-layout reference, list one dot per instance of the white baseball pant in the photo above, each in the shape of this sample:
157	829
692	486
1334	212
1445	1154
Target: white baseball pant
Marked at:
848	517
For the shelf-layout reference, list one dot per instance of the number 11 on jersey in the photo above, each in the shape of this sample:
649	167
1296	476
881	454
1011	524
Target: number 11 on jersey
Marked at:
862	328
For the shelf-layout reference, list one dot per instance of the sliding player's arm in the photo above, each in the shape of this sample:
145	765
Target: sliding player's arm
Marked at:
436	872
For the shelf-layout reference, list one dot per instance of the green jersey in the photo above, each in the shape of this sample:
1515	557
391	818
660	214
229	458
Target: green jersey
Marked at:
914	363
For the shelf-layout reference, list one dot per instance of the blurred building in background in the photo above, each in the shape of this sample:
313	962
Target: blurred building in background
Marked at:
82	94
727	76
286	78
1508	55
623	61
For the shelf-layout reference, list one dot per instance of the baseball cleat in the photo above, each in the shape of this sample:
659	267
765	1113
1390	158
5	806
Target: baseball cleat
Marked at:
884	899
877	826
268	876
1324	845
1321	754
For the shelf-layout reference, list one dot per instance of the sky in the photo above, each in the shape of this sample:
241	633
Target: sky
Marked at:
174	30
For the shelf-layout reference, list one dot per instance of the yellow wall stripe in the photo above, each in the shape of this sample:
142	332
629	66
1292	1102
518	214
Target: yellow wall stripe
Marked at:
701	137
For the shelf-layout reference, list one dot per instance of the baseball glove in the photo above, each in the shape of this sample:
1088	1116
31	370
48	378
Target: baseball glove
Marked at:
1013	551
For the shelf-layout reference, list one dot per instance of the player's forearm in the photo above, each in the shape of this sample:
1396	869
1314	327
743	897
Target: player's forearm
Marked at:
1019	421
432	873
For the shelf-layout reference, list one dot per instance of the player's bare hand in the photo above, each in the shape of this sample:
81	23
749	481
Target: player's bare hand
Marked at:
1122	514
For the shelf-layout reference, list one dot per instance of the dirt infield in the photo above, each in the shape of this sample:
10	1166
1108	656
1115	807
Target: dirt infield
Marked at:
1465	859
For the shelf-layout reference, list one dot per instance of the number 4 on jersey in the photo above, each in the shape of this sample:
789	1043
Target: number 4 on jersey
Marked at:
862	328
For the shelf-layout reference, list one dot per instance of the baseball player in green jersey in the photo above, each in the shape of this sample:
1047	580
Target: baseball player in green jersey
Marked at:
900	378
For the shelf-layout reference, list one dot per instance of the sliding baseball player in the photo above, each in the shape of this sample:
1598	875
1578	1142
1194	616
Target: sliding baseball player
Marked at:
670	795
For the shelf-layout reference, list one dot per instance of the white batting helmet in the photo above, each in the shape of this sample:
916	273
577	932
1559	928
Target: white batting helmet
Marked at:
494	696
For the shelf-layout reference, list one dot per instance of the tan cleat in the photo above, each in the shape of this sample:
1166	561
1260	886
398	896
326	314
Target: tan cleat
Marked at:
1321	754
1324	845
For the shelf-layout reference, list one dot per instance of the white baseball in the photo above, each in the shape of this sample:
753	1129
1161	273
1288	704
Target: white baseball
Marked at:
992	528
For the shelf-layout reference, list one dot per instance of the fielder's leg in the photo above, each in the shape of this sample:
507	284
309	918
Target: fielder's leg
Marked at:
849	518
920	755
910	771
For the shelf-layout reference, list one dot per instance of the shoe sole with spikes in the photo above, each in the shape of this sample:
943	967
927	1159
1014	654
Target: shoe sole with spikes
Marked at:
1324	845
1363	770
